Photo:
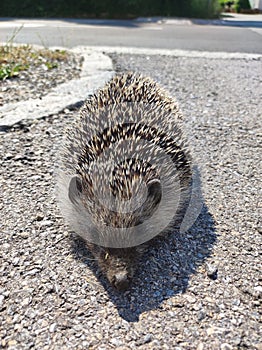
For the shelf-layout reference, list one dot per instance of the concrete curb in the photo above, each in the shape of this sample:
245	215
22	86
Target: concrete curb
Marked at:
97	69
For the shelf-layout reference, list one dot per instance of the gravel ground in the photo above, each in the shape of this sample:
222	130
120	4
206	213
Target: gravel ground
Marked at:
199	290
37	81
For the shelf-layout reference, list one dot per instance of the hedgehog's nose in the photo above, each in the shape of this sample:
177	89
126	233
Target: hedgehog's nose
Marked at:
121	281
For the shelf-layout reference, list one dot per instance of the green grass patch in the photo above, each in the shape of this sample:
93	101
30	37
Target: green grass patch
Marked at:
14	59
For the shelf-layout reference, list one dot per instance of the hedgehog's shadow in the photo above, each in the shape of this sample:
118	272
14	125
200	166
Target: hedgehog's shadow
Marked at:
164	270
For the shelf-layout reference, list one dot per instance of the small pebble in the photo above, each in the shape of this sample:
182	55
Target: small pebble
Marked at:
211	271
226	346
52	327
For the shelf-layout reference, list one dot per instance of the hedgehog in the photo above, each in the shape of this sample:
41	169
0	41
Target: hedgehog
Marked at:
124	173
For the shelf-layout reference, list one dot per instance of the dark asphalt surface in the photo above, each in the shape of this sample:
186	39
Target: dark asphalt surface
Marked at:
199	290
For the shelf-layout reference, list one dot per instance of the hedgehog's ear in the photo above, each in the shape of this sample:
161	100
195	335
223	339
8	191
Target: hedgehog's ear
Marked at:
74	189
154	195
154	191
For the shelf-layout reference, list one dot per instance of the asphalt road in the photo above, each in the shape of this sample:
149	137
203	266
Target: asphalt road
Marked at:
198	290
242	34
195	290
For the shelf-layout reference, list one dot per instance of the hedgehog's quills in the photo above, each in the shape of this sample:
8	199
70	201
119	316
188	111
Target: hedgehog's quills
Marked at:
124	172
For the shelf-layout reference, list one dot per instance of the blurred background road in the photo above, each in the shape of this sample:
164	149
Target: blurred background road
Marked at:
238	33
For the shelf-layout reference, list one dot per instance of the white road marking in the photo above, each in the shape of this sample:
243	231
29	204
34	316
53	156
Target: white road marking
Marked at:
20	24
64	24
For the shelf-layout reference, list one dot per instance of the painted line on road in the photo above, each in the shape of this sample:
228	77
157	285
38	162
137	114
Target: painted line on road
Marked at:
169	52
21	25
53	25
70	25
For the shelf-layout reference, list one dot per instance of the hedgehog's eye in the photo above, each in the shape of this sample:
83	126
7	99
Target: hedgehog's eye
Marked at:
75	189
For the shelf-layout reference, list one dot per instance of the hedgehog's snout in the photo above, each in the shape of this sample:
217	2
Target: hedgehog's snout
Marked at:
121	280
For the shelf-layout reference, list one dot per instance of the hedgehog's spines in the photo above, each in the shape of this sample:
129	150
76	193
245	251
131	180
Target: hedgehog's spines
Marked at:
132	114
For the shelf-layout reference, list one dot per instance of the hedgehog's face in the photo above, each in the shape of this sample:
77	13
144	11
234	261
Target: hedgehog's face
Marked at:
119	265
121	223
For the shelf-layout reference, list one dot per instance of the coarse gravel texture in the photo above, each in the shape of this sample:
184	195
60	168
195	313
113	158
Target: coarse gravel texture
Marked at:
40	78
199	290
